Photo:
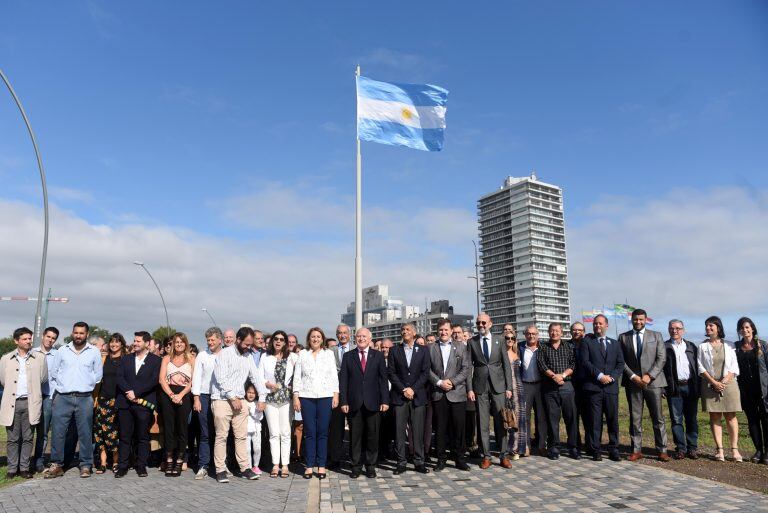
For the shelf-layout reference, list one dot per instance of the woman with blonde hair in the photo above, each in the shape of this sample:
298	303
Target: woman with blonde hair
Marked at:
176	401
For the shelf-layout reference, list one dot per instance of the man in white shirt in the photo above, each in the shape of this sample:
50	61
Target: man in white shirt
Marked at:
50	336
680	370
534	398
201	396
233	367
229	337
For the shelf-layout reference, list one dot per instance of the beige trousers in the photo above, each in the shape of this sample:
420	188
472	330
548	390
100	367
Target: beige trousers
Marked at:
223	418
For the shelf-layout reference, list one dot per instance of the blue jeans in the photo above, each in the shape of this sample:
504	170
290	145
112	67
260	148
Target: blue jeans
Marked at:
66	407
41	435
317	417
683	408
206	431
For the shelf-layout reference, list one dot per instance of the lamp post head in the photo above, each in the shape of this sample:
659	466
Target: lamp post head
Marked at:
204	309
140	264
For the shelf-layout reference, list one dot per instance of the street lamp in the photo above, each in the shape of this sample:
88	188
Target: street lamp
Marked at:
38	318
167	322
476	277
211	316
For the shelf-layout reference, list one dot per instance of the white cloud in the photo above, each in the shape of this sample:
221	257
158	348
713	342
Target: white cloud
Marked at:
689	253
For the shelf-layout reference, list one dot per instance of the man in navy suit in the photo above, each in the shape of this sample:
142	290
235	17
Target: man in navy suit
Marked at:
363	393
408	372
137	379
602	361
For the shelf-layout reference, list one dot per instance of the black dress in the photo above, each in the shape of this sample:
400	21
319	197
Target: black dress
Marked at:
105	436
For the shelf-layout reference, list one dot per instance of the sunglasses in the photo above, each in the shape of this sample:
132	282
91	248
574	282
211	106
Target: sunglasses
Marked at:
278	339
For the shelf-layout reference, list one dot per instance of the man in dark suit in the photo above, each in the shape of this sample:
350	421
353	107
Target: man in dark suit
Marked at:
582	398
603	364
490	386
681	373
363	393
136	397
408	373
644	381
449	370
338	419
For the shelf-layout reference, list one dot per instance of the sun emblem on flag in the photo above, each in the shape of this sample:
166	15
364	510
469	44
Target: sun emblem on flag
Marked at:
407	114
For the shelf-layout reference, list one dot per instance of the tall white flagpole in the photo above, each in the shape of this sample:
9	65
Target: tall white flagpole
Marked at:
359	237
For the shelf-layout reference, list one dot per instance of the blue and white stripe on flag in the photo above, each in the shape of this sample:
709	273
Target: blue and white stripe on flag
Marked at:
410	115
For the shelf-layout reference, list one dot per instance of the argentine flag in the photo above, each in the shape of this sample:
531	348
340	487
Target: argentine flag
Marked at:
410	115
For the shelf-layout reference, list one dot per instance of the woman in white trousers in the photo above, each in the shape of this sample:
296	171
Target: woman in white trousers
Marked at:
276	376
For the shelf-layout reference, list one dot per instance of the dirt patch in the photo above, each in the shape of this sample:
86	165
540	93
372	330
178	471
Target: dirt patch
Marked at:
751	476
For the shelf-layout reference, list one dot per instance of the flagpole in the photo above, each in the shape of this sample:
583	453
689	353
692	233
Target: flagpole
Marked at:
359	235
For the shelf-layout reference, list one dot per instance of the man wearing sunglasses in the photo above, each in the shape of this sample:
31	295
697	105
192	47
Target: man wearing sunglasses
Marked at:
490	386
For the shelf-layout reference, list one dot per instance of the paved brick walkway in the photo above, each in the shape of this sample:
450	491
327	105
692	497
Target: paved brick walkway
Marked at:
533	485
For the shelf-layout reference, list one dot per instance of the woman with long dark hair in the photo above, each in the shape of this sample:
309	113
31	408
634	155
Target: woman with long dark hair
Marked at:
720	397
176	401
752	356
105	436
276	377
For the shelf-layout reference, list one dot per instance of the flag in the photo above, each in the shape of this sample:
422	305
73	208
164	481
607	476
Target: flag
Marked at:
587	316
411	115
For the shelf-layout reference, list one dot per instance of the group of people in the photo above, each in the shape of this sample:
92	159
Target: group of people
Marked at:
395	399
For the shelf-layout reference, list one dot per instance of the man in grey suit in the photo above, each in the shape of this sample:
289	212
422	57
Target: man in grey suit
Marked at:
338	418
489	386
644	357
449	370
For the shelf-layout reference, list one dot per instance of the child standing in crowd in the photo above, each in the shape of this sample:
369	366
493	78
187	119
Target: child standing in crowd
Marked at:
253	436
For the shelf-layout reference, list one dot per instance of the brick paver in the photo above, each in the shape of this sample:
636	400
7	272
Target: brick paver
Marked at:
534	484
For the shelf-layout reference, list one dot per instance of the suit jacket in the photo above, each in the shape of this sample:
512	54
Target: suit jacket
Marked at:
651	360
415	376
144	384
36	368
358	388
494	372
577	378
457	370
594	363
670	368
338	356
762	365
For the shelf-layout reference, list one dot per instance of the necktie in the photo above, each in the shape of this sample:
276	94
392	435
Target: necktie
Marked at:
639	346
603	347
486	353
362	360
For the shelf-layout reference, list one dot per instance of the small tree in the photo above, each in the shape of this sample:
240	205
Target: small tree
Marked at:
162	332
6	345
95	331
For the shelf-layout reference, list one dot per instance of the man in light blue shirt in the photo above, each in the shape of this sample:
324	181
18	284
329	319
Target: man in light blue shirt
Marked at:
76	370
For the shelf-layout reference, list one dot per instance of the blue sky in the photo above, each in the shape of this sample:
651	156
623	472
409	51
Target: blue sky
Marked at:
234	123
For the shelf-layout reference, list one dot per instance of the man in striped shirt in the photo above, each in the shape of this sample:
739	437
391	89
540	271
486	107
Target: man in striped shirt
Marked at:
234	366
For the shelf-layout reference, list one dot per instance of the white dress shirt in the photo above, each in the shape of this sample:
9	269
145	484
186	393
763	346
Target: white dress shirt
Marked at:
445	352
683	369
201	377
21	381
140	363
530	365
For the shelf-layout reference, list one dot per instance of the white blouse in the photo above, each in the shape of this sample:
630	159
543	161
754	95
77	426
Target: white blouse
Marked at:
267	372
705	359
316	378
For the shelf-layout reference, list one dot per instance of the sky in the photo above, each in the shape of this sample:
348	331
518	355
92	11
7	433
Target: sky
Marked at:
216	143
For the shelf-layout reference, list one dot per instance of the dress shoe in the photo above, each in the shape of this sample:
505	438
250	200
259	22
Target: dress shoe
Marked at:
370	472
85	472
422	469
663	456
462	465
679	455
27	474
485	463
121	472
756	457
596	456
398	470
354	474
694	455
505	462
141	471
636	456
440	466
53	471
614	455
553	455
11	475
542	451
574	454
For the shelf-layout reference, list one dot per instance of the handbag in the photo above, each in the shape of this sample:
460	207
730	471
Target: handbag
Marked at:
509	414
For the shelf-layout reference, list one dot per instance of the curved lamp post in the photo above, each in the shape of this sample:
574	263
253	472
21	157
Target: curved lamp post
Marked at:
167	322
38	318
211	316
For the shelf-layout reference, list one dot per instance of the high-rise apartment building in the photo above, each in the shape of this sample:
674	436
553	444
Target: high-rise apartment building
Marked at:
523	262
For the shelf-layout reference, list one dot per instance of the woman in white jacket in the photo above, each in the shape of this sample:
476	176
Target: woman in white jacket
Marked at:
720	397
315	394
275	379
